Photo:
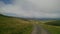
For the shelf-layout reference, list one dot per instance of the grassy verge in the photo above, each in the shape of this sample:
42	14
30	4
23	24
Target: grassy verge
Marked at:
9	25
52	29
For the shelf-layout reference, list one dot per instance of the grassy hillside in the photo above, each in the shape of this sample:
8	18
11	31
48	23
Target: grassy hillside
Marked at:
53	26
54	23
10	25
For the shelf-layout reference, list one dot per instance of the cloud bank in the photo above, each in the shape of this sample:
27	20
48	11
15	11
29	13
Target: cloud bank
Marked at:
31	8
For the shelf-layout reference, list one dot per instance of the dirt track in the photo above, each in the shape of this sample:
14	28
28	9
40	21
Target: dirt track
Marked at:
39	30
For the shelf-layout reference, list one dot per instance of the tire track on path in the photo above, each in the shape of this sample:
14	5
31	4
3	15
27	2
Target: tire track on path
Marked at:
39	30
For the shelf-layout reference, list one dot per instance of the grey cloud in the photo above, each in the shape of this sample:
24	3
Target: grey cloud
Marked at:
32	8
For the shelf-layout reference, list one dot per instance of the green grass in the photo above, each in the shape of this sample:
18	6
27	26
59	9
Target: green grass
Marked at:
53	27
54	23
10	25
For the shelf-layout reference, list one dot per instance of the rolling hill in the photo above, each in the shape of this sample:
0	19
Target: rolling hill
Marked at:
13	25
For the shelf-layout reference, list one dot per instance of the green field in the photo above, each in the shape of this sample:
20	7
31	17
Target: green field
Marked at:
53	26
11	25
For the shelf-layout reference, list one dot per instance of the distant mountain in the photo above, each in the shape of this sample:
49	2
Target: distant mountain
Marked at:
33	18
44	18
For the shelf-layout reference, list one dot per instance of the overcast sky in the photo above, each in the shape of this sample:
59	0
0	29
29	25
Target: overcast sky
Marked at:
31	8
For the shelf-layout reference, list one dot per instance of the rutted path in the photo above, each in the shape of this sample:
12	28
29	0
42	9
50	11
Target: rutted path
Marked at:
39	30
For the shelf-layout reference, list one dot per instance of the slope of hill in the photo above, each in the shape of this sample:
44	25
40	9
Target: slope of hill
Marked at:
53	26
12	25
54	23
